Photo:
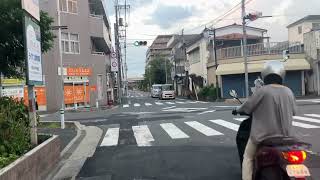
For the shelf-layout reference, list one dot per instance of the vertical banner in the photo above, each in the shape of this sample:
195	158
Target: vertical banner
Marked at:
33	52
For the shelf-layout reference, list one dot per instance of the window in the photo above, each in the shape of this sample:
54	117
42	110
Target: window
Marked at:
70	43
315	25
69	6
299	29
194	56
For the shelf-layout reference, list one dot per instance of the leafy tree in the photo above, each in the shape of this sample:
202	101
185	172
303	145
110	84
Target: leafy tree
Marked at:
12	55
155	73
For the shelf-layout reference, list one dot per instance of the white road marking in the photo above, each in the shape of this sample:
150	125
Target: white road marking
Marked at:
205	112
169	107
192	102
111	138
136	104
173	131
316	101
303	125
313	115
147	104
184	109
240	119
306	119
159	103
179	102
126	105
226	124
143	135
226	106
203	128
170	103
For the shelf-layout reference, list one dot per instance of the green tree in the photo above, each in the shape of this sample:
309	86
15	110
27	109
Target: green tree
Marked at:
155	73
12	55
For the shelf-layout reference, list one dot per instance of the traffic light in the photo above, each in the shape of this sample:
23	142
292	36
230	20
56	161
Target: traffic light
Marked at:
140	43
253	16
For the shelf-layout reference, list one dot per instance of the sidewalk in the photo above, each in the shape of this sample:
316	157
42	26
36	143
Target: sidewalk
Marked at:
75	150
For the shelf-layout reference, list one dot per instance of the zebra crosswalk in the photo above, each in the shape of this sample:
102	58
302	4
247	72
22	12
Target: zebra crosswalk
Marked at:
145	135
159	103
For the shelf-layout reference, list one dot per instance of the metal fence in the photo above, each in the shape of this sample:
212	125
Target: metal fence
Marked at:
271	48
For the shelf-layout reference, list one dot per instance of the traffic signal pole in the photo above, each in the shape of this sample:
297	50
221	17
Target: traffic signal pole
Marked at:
246	76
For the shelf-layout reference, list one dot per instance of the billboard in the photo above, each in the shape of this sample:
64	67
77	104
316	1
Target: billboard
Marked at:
32	7
33	52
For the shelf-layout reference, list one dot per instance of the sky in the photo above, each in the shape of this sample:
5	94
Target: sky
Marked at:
149	18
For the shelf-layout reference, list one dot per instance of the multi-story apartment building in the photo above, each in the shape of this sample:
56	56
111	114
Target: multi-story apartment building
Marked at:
85	48
159	48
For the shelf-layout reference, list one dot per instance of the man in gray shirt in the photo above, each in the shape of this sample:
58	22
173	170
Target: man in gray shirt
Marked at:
272	107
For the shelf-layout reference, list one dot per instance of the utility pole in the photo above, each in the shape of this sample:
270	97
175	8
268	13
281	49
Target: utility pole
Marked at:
125	47
216	61
243	14
62	108
117	47
165	66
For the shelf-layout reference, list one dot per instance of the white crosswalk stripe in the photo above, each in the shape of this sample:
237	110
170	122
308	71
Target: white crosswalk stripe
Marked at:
306	119
170	103
313	115
159	103
173	131
303	125
126	105
136	105
142	135
148	104
240	119
179	102
111	138
203	128
226	124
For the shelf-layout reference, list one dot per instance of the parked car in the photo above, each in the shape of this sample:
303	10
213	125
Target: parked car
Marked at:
155	90
167	92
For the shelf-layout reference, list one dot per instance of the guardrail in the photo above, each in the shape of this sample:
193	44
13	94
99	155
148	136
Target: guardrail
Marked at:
271	48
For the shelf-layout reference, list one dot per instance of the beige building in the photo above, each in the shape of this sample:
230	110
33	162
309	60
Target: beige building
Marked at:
301	26
159	47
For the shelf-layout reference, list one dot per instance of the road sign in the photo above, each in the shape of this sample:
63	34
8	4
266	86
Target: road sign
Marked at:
113	55
114	65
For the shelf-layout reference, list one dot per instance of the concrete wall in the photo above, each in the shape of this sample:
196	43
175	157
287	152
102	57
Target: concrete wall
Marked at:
237	29
84	25
36	164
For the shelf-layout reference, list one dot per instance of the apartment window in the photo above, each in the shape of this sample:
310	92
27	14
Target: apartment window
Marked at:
315	25
70	43
299	29
194	56
69	6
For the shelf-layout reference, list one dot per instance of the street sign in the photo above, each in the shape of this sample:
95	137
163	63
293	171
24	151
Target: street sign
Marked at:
113	55
114	65
32	7
33	52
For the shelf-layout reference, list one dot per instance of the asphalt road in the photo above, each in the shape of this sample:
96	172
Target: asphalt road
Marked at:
147	138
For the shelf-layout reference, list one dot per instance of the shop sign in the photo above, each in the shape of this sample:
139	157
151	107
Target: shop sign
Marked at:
14	92
7	81
79	71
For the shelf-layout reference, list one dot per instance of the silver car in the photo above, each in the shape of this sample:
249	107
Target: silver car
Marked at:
167	92
155	90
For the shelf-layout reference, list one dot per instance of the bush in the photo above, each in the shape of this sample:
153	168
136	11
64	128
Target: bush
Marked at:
208	93
14	130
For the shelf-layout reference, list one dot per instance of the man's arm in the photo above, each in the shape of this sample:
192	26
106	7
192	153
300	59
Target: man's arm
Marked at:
249	106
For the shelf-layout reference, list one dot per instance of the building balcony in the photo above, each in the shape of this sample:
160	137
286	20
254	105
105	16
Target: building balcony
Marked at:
100	34
260	49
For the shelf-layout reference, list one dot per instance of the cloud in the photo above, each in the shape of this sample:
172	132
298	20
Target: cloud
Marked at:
166	16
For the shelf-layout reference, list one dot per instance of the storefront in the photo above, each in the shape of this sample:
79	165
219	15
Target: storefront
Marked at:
232	76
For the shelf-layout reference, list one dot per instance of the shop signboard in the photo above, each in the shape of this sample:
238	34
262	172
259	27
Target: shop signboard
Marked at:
79	71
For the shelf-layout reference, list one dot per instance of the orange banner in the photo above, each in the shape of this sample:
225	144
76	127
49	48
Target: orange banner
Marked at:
40	93
75	94
79	71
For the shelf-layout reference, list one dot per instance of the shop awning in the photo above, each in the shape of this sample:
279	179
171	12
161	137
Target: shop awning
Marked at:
257	66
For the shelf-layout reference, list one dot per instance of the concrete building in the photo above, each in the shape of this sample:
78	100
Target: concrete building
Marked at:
200	53
312	51
178	58
86	46
301	26
159	48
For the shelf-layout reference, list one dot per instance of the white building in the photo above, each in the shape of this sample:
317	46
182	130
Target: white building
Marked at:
304	25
